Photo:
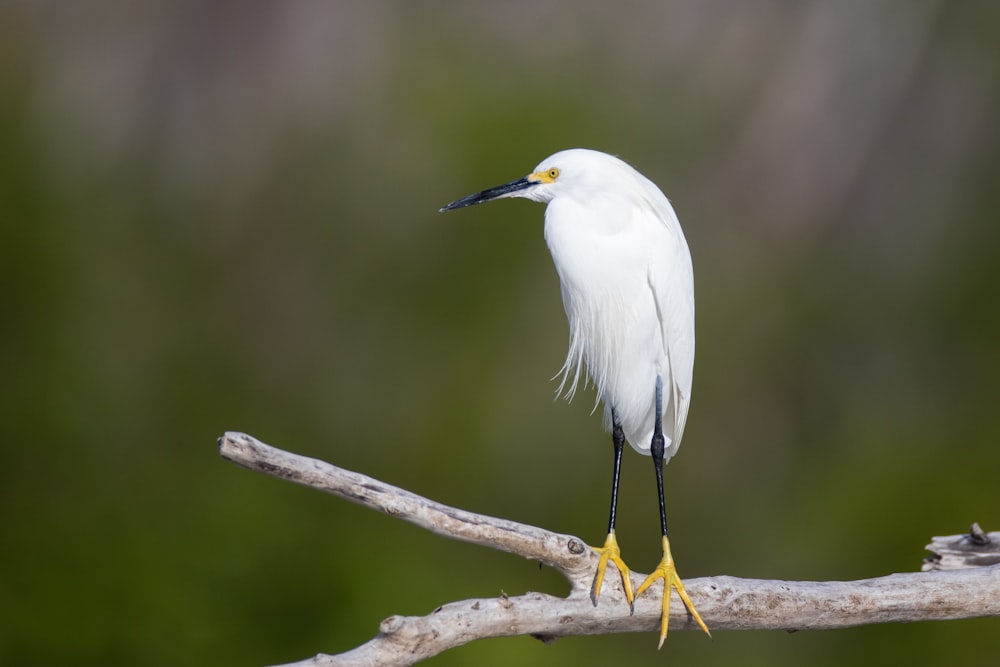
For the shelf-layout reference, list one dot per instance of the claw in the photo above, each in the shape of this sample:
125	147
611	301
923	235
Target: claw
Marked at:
611	552
667	571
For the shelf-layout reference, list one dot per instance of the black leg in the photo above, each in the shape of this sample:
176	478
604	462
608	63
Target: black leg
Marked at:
666	570
610	551
656	448
618	439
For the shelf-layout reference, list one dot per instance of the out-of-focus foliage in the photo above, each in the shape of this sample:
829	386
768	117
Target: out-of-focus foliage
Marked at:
224	216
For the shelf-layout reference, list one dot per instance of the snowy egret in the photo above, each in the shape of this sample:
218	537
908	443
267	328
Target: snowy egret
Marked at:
628	291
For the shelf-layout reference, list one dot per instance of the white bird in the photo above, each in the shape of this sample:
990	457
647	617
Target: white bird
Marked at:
628	291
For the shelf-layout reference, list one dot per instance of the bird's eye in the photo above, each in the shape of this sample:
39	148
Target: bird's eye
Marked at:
553	173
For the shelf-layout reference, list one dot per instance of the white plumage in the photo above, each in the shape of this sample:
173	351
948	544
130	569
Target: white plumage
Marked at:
627	288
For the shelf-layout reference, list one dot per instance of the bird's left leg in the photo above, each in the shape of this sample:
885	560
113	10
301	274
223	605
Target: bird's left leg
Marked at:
610	550
666	570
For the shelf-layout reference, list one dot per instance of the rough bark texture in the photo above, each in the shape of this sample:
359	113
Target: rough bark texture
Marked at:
964	581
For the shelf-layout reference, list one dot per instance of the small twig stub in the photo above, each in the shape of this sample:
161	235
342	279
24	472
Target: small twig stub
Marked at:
977	548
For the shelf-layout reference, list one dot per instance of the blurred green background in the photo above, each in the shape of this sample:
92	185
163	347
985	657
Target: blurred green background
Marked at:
224	216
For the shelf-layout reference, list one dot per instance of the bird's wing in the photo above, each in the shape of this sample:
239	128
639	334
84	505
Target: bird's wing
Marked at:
671	279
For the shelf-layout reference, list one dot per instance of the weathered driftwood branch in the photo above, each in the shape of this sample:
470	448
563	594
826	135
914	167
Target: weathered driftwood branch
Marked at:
726	603
976	548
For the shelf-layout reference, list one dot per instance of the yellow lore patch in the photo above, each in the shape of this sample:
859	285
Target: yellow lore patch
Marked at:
547	176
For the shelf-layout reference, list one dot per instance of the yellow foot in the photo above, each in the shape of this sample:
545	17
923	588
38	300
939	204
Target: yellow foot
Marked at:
610	551
668	572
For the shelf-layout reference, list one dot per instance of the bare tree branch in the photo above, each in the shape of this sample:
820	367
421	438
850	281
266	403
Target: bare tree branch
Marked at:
954	552
726	603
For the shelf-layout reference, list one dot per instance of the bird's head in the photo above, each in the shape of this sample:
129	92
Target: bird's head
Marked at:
575	171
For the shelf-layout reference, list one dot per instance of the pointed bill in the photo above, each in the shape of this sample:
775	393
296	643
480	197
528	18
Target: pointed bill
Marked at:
506	190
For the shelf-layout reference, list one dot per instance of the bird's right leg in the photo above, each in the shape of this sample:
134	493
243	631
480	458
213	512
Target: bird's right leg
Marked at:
610	550
666	570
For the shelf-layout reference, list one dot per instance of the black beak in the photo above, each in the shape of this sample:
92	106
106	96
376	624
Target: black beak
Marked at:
505	190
